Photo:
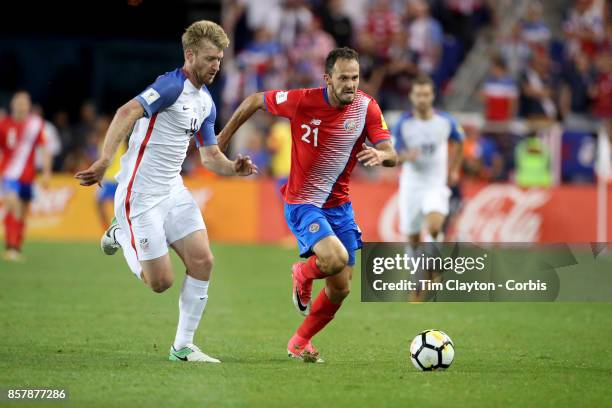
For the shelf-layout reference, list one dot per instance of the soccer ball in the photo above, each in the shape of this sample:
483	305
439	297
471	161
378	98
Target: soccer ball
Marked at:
432	350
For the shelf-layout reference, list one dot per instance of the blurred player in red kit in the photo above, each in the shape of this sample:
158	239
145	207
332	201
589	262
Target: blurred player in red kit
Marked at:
329	128
21	134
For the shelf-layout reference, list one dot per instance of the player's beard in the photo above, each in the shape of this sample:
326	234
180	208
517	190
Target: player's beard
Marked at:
344	99
209	77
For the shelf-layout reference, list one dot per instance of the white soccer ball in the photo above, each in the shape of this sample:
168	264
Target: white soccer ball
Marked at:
432	350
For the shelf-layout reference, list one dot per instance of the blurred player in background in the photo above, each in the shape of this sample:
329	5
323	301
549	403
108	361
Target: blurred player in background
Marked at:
423	139
153	209
21	134
329	127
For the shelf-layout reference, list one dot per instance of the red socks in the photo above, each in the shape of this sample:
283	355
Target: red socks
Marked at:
19	227
13	231
310	270
321	313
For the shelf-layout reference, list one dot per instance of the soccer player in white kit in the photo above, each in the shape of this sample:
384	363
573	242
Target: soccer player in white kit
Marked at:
422	138
153	209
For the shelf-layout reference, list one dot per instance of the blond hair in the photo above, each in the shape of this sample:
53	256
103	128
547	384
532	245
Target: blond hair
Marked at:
204	30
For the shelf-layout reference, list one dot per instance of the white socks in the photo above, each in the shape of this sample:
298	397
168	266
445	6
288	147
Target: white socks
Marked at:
194	295
128	251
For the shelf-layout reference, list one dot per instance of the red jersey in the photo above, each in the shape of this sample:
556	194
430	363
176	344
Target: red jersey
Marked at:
18	142
325	142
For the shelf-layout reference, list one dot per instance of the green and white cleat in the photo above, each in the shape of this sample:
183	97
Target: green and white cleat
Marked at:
191	352
108	242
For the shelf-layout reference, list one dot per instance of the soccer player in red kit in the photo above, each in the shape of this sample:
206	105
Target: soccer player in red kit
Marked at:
21	134
329	128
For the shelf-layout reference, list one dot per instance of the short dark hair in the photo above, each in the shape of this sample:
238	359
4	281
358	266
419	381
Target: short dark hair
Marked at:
423	79
339	53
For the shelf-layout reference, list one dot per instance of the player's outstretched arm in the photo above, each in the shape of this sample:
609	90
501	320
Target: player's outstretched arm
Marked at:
119	129
246	109
456	159
214	160
382	155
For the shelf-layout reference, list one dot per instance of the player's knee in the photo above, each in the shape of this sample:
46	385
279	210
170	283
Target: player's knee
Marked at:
202	263
160	284
335	262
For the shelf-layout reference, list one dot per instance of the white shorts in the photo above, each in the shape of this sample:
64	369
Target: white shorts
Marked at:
415	204
156	221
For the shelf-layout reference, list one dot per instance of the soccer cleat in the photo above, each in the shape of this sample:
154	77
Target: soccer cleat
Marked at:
305	352
302	291
191	352
13	255
108	242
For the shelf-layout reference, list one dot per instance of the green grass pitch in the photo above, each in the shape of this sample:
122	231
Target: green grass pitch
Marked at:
75	319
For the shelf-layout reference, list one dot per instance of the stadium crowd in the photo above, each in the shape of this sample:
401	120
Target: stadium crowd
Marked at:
279	44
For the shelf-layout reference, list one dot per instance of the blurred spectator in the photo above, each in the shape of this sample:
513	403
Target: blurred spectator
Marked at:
81	134
584	26
54	143
83	129
382	23
399	72
533	165
260	59
462	18
499	92
307	56
537	89
294	18
371	67
481	157
576	91
426	36
62	124
533	29
602	90
337	23
515	51
255	148
243	17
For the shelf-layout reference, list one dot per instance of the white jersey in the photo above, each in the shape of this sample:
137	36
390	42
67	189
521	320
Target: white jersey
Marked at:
430	137
175	111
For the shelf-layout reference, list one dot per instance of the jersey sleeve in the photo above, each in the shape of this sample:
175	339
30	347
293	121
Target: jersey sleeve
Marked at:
456	131
206	135
42	138
160	94
283	103
398	139
376	127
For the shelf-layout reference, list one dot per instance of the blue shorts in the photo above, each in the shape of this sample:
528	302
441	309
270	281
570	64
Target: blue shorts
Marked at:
107	191
310	224
22	190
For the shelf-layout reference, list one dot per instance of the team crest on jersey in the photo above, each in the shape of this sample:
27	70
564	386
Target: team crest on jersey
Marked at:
314	227
350	125
144	244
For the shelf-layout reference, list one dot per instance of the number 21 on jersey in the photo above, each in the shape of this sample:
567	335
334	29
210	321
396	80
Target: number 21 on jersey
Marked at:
306	136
